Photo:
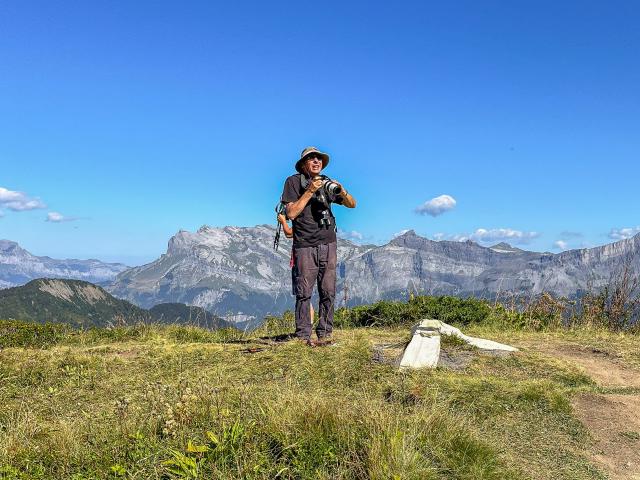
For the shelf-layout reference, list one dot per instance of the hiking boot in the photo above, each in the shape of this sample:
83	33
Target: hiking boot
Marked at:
308	342
324	341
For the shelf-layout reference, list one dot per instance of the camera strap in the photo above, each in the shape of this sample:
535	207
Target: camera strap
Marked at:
305	181
320	196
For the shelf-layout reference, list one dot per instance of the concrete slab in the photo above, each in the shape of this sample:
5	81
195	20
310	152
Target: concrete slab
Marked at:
446	329
424	348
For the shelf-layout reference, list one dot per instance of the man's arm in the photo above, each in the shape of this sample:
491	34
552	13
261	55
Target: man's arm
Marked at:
295	208
347	200
288	231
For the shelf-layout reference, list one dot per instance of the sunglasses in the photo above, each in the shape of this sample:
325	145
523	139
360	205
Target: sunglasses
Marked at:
313	158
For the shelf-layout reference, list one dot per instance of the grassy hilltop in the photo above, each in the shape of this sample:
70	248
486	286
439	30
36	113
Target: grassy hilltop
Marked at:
182	402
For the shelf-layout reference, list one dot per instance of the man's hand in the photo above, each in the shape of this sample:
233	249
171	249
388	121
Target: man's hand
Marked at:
315	184
347	200
295	208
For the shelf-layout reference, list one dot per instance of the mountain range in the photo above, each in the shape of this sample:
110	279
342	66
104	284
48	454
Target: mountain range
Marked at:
18	266
83	304
235	273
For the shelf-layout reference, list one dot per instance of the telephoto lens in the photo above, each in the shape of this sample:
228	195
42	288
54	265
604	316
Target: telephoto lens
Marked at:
332	188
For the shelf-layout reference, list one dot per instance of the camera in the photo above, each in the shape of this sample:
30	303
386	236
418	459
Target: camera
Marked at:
325	219
331	187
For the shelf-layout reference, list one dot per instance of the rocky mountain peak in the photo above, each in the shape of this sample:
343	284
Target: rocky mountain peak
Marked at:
235	273
11	248
203	229
410	237
504	247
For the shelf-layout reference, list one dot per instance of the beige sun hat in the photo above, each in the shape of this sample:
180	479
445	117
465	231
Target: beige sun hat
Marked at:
306	152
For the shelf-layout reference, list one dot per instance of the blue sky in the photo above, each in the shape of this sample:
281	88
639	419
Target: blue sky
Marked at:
132	120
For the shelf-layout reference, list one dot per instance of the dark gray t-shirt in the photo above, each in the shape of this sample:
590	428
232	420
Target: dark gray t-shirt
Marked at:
307	230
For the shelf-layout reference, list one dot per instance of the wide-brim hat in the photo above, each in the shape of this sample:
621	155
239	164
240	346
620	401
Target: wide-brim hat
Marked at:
306	152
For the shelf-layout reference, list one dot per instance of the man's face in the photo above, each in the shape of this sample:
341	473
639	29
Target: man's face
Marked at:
313	165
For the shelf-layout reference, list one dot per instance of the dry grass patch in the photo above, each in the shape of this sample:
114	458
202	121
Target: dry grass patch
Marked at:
157	403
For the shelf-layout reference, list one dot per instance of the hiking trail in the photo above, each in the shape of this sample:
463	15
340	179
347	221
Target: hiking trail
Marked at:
612	417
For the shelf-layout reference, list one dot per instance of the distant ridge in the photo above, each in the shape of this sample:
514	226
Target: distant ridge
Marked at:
18	266
83	304
76	302
235	273
187	314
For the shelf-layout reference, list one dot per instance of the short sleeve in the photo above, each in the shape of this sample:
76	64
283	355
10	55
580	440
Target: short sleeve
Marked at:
290	193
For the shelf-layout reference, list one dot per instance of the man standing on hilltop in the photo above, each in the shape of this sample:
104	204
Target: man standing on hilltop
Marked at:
308	196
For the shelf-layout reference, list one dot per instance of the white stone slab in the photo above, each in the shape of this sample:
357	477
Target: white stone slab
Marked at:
481	343
424	348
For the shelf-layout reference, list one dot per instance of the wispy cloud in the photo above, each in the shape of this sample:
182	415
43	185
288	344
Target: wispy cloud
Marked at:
560	244
622	233
493	235
503	235
567	240
451	237
19	201
437	206
351	235
56	217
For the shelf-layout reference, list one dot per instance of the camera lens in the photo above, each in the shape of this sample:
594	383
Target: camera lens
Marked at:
333	188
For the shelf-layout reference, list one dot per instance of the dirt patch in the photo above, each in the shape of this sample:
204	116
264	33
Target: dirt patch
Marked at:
608	370
455	359
612	419
388	353
614	423
451	357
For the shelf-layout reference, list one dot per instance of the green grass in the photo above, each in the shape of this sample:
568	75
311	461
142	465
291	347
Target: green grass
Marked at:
181	402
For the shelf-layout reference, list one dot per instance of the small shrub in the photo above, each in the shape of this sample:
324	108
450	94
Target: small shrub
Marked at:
463	311
277	325
192	334
118	334
16	333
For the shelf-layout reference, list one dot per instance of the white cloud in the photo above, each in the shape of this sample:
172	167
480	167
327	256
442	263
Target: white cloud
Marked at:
560	244
437	206
503	235
622	233
458	237
495	235
352	235
56	217
18	201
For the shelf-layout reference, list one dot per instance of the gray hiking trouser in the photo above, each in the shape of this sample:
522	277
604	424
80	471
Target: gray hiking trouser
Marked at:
315	265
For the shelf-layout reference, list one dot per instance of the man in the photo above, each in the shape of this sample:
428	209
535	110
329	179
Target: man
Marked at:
308	204
288	232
